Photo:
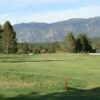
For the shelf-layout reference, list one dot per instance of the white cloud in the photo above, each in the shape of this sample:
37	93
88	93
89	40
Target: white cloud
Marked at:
83	12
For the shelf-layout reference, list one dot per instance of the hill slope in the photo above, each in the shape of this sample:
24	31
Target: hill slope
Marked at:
44	32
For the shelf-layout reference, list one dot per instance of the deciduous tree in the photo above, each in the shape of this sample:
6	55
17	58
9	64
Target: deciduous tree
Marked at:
69	42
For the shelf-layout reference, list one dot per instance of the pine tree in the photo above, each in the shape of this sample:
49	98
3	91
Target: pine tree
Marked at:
1	38
83	44
70	42
9	39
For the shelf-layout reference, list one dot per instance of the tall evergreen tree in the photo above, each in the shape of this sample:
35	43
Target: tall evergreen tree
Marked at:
83	44
70	42
1	38
9	39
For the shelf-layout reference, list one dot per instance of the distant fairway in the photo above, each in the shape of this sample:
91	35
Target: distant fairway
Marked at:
42	77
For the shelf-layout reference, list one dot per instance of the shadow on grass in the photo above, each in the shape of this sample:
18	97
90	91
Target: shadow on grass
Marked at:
26	61
23	59
72	94
11	57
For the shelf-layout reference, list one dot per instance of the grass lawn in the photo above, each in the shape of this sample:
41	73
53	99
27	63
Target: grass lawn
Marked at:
43	77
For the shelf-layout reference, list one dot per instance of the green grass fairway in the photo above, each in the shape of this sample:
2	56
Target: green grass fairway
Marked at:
43	77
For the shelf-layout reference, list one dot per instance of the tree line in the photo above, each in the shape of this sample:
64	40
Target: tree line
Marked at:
71	44
80	44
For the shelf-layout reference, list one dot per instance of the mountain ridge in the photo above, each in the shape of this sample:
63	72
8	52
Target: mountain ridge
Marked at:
35	32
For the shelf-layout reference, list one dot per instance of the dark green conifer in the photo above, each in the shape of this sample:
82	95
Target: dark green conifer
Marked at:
9	39
1	38
83	44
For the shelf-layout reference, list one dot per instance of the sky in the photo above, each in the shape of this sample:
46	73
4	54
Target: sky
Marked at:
19	11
